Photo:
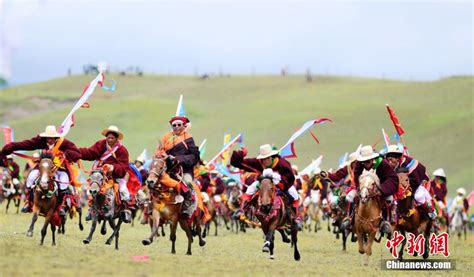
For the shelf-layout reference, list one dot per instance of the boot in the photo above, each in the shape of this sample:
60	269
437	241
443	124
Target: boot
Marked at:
430	211
28	202
64	206
346	223
297	218
188	202
126	213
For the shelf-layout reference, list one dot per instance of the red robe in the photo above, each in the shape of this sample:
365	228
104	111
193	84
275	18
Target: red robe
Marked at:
439	191
417	175
283	167
388	177
69	149
119	159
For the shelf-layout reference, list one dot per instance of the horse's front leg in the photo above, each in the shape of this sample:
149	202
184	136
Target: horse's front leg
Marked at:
112	226
79	211
47	220
117	233
93	226
184	225
18	205
294	242
268	240
284	237
198	230
173	227
8	204
154	225
361	242
402	248
29	233
53	233
103	229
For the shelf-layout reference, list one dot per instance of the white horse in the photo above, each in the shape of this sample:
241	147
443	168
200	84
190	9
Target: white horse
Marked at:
457	223
312	203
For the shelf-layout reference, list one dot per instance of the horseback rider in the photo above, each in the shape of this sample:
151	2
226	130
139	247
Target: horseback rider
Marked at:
268	164
439	187
14	170
63	151
140	165
460	200
416	175
368	159
182	151
111	152
345	175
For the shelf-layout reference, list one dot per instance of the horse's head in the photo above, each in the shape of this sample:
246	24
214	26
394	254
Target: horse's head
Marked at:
404	185
4	176
46	172
367	184
266	195
157	168
96	179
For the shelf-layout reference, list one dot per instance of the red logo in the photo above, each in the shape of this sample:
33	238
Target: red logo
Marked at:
437	244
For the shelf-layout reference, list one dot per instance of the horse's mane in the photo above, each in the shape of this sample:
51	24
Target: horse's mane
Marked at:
370	174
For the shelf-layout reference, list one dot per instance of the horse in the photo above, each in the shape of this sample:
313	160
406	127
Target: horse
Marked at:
10	190
457	224
313	212
166	205
105	205
339	207
410	219
45	200
369	212
233	204
273	215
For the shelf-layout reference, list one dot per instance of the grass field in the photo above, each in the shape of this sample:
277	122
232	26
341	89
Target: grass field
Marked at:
227	254
437	116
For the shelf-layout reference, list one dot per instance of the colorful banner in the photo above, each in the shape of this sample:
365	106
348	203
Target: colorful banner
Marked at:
342	160
237	139
180	111
312	166
226	154
224	170
386	139
68	122
396	122
8	136
202	148
288	150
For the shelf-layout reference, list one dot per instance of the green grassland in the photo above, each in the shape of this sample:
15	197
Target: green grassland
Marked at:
228	254
437	115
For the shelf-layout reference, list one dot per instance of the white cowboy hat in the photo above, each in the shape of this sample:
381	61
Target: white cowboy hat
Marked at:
9	157
36	155
266	151
294	167
50	132
394	148
439	172
367	153
461	191
113	129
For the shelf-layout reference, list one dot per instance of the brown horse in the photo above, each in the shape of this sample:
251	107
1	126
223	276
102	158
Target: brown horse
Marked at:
273	215
9	190
410	218
369	212
166	205
105	205
45	198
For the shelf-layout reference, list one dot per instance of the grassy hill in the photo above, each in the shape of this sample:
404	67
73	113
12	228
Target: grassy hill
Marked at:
437	116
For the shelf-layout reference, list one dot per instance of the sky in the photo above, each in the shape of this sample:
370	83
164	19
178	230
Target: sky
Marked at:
408	40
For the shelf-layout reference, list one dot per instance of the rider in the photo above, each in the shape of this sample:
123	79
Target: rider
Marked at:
181	150
139	164
14	169
110	151
439	187
416	175
368	159
268	164
63	150
461	200
345	175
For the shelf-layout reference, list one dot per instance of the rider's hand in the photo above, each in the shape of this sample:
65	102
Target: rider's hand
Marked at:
276	178
244	151
268	172
171	158
108	168
324	175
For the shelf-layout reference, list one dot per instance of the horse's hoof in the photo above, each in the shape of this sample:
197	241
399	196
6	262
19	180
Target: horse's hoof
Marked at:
286	240
202	243
297	257
81	227
108	242
29	234
146	242
272	257
189	254
103	231
361	251
426	255
86	241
